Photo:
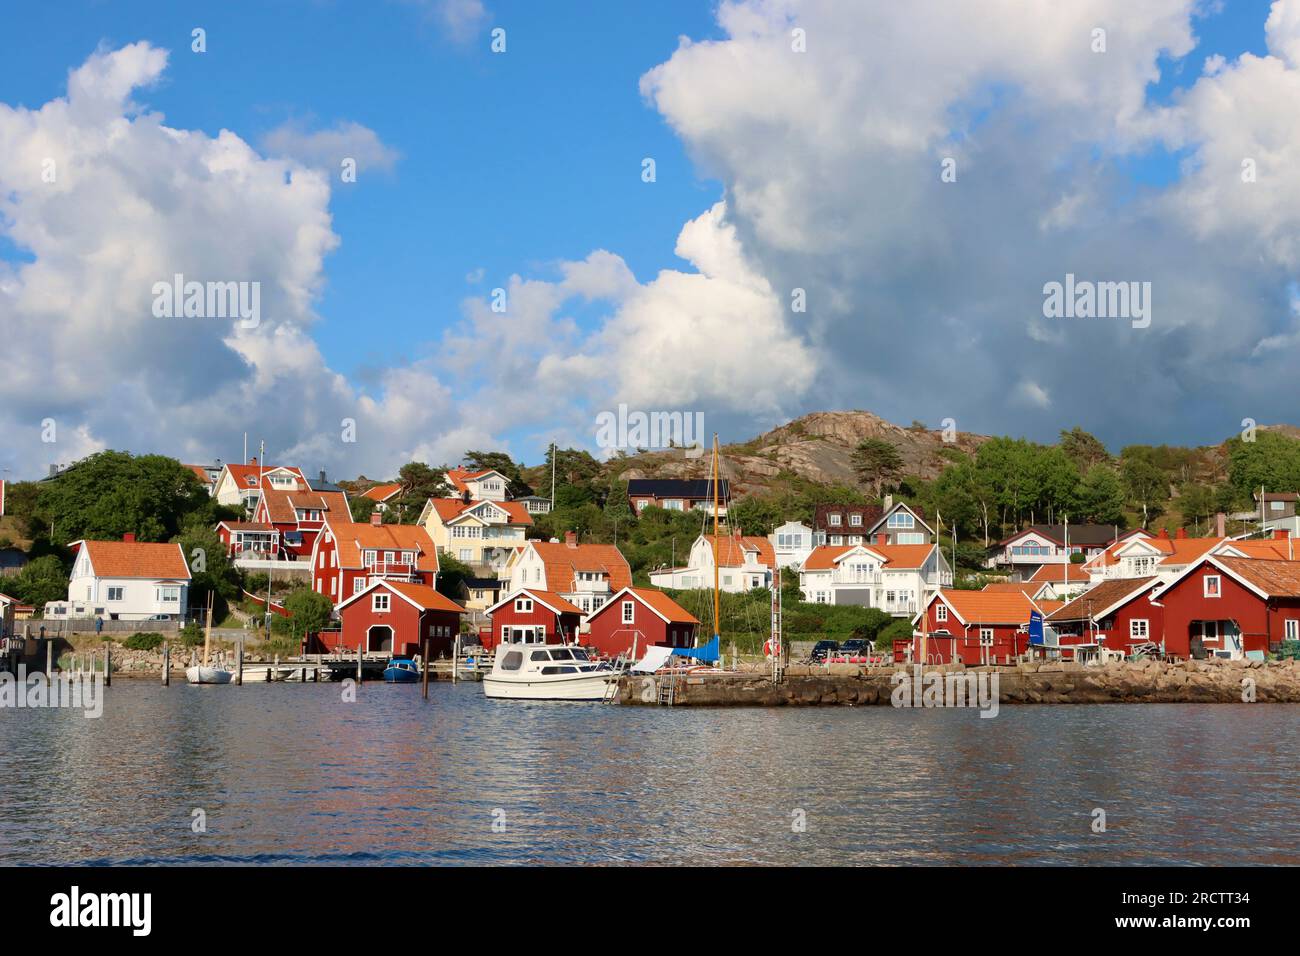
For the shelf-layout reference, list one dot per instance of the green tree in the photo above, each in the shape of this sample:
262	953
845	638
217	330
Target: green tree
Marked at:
309	610
452	575
113	492
1272	460
211	570
1101	496
499	461
41	580
877	463
1145	483
1083	449
1195	504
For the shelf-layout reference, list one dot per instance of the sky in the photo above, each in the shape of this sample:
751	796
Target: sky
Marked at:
851	206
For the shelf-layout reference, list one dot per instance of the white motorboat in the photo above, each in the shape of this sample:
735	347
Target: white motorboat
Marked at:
547	672
198	674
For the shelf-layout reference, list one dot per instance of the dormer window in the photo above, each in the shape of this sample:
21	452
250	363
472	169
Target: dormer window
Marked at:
855	520
836	520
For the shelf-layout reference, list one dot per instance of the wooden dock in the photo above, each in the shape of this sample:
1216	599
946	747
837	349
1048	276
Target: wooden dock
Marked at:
316	668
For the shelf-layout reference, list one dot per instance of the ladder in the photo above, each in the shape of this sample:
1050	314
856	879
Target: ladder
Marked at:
778	659
666	689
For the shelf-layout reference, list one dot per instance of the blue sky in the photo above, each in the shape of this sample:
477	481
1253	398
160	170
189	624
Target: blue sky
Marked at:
508	162
512	165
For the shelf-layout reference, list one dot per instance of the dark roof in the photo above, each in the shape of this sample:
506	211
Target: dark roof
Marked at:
1101	596
677	488
1080	534
870	513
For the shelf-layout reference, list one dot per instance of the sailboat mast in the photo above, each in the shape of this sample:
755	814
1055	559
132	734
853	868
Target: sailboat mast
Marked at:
207	633
717	555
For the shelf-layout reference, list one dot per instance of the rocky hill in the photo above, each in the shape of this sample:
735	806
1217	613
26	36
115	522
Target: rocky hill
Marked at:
817	447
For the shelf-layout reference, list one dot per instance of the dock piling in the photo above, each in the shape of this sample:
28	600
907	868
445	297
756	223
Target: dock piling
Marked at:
167	664
424	667
108	667
239	665
358	664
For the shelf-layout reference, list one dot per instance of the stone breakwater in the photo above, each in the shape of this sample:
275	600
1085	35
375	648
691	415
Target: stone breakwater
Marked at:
1149	681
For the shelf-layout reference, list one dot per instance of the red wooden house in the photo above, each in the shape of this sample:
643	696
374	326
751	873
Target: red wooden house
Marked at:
1231	607
1116	615
298	516
637	618
396	617
529	616
973	627
348	557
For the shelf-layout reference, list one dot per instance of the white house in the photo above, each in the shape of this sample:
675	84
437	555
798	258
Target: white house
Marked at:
242	484
125	581
743	562
479	485
896	578
792	543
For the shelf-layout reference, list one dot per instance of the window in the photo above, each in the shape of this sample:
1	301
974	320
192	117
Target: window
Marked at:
855	520
1276	505
909	537
629	612
379	601
512	660
116	594
1212	586
466	554
836	520
1138	630
941	612
901	519
358	585
837	539
986	637
524	605
1293	630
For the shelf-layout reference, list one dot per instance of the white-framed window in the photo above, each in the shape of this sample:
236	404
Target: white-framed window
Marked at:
467	554
1292	629
1213	586
524	605
1276	505
358	585
629	612
986	636
116	594
1139	629
378	600
855	520
837	539
909	537
941	612
901	519
836	520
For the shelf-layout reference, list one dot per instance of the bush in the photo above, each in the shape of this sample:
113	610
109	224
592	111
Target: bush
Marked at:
191	635
900	629
143	642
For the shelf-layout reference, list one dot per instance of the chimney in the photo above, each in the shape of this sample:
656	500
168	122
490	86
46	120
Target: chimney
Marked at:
253	461
571	539
1182	533
889	502
1280	534
1219	521
376	518
129	537
322	476
1164	534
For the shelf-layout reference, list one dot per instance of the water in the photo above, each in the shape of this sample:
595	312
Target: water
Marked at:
291	774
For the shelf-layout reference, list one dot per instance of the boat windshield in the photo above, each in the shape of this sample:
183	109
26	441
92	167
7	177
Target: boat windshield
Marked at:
580	655
562	654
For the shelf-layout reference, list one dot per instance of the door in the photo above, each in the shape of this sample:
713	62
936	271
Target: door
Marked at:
380	639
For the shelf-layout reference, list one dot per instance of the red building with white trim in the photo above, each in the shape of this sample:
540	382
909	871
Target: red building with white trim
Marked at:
1116	615
973	627
348	556
1231	607
637	618
396	617
529	616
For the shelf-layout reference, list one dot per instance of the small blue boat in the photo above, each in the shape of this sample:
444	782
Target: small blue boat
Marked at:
401	670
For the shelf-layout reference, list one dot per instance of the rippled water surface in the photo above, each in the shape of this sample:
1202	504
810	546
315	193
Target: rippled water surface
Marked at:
291	774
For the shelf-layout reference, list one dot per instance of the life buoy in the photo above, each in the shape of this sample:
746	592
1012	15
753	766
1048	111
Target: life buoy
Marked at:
771	648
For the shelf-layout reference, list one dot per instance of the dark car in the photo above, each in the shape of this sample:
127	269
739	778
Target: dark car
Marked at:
856	647
822	649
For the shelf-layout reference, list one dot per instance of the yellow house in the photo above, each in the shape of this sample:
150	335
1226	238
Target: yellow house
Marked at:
481	534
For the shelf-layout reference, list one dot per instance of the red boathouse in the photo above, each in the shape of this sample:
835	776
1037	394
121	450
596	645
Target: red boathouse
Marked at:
532	617
637	618
973	627
1231	607
396	616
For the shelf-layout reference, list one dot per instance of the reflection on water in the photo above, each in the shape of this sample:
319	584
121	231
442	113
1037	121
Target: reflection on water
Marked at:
291	774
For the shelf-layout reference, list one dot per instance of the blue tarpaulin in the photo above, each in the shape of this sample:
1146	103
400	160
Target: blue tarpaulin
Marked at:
709	652
1036	629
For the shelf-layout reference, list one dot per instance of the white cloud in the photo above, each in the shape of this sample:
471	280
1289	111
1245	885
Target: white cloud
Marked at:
326	149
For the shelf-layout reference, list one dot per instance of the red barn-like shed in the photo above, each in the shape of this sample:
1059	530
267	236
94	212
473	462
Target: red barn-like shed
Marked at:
1231	606
396	616
640	618
1114	614
528	616
974	627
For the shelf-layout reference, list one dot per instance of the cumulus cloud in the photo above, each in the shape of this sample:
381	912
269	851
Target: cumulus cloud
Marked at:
925	296
327	149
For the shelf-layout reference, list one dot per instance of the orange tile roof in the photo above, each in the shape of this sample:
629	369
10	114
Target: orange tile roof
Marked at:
897	556
663	604
1059	574
281	505
1180	551
1276	549
136	559
989	607
1024	587
241	473
425	596
1274	578
730	552
562	563
381	492
201	473
451	508
556	602
354	538
1101	597
459	476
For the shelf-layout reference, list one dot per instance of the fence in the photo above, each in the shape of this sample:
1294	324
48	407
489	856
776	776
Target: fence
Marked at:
54	627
